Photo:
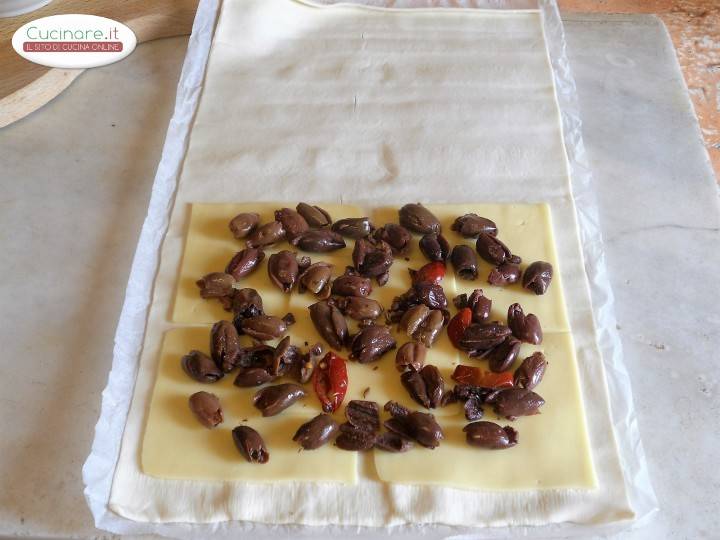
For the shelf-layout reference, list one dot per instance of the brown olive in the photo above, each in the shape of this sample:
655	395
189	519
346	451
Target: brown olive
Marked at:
505	274
363	414
252	376
360	308
349	285
314	215
435	247
482	337
419	219
317	279
250	444
370	343
471	225
531	371
492	250
503	355
330	323
524	327
465	262
292	222
319	241
206	408
396	236
353	227
392	442
224	345
354	439
243	224
272	400
265	327
283	270
411	355
537	277
514	402
266	235
201	367
244	262
246	303
490	435
216	285
316	432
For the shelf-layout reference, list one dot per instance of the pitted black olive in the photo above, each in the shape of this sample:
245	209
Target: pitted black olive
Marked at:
247	303
417	218
349	285
360	308
471	225
537	277
266	235
490	435
353	227
514	402
494	251
396	236
503	355
421	427
250	444
252	376
283	270
464	260
314	215
411	355
206	408
272	400
201	367
317	279
292	222
330	323
216	285
244	262
372	259
370	343
435	247
319	241
505	274
479	338
243	224
266	327
524	327
316	432
531	371
224	345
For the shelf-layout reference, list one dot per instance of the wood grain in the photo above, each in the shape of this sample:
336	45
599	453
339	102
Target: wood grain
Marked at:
24	86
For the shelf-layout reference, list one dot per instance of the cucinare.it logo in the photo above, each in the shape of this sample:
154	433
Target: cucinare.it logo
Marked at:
74	41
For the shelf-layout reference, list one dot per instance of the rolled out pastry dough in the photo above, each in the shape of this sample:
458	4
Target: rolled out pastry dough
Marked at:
374	108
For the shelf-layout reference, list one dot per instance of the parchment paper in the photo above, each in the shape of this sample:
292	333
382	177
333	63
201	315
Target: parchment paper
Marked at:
100	466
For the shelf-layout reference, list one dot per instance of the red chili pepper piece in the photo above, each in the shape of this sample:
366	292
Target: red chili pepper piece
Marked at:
458	324
330	381
433	272
479	377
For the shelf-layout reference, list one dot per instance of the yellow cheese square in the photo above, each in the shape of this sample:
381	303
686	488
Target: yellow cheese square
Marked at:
527	230
208	248
176	445
553	449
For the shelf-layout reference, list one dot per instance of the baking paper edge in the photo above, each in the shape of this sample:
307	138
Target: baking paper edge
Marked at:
99	468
